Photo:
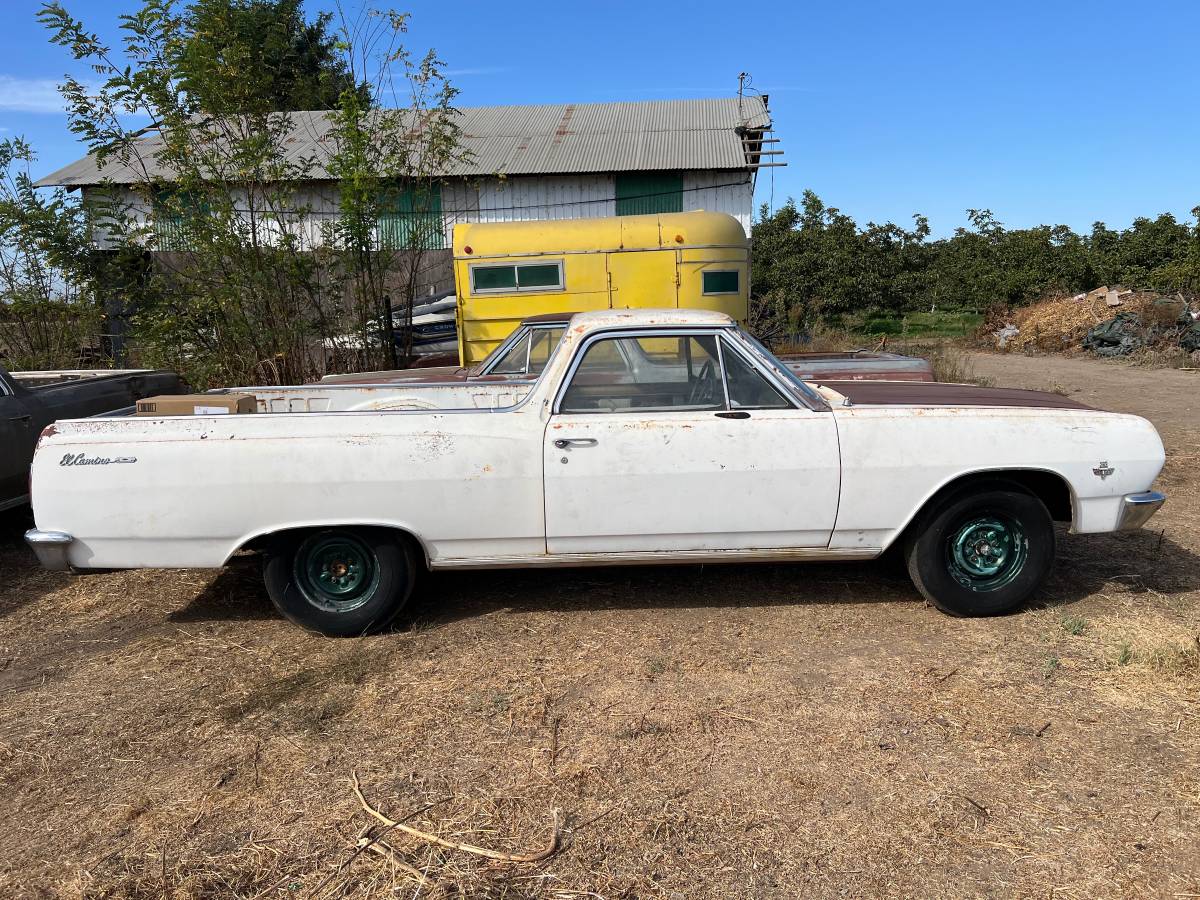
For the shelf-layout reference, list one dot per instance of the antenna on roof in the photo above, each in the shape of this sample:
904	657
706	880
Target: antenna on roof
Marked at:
744	80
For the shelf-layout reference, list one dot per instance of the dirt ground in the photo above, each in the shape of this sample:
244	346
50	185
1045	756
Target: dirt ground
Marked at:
769	731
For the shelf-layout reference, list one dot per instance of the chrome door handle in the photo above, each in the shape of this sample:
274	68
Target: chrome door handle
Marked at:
564	443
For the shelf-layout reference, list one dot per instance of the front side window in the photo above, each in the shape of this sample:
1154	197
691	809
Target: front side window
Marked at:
781	369
512	277
647	374
748	389
529	355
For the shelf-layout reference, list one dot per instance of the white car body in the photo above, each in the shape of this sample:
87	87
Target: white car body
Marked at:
477	479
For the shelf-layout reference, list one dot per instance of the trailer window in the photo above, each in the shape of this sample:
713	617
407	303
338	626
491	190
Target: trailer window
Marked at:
721	282
540	276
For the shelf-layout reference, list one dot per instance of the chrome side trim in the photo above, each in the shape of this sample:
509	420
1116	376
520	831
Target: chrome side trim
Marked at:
637	558
13	502
1136	509
51	548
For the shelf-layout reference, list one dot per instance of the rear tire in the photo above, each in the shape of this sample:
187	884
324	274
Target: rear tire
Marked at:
340	582
982	551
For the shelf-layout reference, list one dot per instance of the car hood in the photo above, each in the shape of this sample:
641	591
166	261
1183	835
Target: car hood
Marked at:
936	393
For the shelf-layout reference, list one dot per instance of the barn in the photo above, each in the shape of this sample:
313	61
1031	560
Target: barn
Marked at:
535	162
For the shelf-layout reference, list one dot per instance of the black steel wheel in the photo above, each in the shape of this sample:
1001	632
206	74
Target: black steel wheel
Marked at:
981	551
340	582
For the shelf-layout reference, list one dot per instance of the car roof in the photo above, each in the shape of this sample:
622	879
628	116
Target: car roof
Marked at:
635	318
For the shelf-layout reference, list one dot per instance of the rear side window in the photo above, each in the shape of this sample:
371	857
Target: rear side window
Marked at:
529	355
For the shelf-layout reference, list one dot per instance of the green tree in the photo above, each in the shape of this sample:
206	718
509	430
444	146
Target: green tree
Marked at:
250	285
256	55
48	267
813	263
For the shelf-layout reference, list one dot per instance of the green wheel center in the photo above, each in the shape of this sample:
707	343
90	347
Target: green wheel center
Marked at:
986	553
336	572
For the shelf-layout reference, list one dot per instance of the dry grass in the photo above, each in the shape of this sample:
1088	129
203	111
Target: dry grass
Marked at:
715	732
949	362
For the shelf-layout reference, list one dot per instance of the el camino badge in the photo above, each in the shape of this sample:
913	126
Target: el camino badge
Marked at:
78	459
1103	470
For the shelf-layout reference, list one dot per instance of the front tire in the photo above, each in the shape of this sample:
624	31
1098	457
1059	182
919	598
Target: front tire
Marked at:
982	551
340	582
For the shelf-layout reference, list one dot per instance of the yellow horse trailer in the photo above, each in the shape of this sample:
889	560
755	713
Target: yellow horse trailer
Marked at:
507	271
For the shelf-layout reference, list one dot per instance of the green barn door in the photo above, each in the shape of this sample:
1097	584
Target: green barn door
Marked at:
655	192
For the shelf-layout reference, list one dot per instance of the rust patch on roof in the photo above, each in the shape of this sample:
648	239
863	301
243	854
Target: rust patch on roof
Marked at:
562	130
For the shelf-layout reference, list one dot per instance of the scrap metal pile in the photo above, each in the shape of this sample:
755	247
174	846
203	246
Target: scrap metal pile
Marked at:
1106	322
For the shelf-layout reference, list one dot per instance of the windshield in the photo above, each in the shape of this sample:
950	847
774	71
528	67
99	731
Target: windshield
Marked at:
526	355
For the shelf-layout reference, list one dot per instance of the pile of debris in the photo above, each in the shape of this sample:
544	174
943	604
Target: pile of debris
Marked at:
1107	321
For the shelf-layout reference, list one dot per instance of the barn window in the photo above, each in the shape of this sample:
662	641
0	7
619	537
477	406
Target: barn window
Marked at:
411	219
639	193
174	216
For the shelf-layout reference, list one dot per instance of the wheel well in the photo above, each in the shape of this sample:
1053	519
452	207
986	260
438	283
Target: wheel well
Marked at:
263	542
1049	487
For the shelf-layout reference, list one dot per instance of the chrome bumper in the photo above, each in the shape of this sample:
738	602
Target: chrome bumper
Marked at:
51	548
1136	509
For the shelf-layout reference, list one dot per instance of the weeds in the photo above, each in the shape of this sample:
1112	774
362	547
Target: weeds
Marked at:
1052	665
952	365
1074	625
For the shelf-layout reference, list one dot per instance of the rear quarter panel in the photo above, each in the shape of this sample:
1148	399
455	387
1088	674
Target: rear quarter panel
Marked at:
189	491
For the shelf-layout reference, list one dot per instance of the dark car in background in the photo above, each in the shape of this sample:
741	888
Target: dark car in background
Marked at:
29	401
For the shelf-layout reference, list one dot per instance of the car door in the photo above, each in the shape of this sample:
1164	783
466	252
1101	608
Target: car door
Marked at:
695	450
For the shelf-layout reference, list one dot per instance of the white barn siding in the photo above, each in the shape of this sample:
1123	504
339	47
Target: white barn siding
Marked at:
492	199
725	192
549	197
460	203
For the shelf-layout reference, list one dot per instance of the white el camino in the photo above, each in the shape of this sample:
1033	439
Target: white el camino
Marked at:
651	436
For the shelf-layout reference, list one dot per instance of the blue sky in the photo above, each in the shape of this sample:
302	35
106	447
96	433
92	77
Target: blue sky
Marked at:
1045	112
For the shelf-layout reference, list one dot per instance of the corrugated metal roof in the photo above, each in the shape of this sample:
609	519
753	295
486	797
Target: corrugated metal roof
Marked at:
531	140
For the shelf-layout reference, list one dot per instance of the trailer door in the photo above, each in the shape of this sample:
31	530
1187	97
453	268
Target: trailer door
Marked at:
643	279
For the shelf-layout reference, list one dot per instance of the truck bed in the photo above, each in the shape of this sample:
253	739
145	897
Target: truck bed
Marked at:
337	397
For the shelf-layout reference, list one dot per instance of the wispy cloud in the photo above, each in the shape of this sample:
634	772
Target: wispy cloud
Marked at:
483	70
36	95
